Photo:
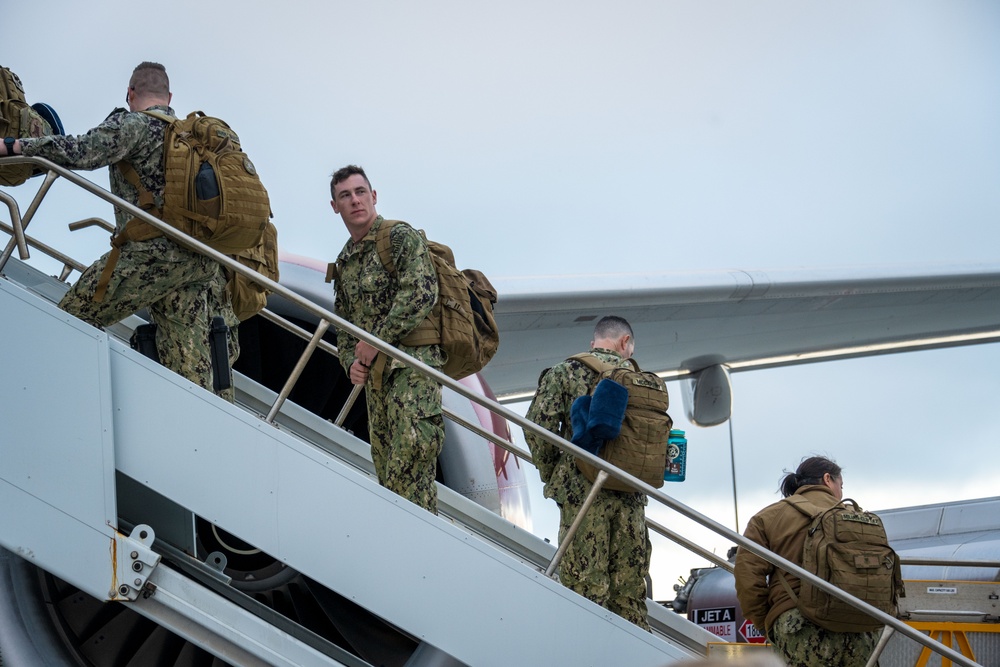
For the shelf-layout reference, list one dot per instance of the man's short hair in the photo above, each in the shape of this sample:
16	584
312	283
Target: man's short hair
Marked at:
345	173
150	79
612	327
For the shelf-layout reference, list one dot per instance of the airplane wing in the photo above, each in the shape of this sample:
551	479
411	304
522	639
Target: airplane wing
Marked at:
687	322
704	325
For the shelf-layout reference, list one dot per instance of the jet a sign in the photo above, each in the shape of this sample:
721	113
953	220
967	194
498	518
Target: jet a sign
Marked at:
720	621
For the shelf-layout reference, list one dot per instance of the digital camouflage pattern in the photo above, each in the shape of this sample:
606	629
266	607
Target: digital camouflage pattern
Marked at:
404	415
386	306
123	135
181	289
802	643
608	560
407	435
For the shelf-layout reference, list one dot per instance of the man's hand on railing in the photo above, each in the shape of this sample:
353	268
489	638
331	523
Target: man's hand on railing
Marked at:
359	372
364	356
365	353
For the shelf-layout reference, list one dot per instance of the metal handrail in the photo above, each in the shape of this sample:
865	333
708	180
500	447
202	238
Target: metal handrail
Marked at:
17	229
20	222
69	264
689	545
327	318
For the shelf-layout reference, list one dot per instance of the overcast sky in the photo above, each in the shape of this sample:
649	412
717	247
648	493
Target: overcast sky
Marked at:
542	138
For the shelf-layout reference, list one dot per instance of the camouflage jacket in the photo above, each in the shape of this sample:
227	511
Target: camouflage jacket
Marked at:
124	135
558	387
387	306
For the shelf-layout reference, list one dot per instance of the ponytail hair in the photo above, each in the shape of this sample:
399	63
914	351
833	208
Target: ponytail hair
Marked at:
810	471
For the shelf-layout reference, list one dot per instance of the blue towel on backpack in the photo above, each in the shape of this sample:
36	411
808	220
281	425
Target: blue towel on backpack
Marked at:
579	414
50	116
607	410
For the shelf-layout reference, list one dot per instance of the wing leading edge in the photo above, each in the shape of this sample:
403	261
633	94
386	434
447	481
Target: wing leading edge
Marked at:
742	320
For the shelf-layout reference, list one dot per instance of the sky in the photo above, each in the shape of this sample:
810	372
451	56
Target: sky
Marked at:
543	138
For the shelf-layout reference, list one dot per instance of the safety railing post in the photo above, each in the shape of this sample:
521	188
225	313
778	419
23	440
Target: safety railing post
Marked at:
883	641
297	371
17	239
567	539
348	404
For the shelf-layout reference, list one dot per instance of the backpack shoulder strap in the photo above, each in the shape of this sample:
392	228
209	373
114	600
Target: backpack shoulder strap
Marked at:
332	272
383	245
129	173
591	361
812	512
804	506
159	115
787	586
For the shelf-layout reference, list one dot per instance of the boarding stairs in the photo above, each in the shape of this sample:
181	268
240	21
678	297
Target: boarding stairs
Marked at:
95	432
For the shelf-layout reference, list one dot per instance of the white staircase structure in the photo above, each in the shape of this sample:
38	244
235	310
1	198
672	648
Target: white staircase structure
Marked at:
94	432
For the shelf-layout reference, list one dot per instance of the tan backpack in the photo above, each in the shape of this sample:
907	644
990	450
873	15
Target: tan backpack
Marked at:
641	447
247	297
462	319
17	120
212	191
849	548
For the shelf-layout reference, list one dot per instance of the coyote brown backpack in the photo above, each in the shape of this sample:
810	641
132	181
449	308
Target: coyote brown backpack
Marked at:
462	320
17	120
247	297
848	547
212	191
641	447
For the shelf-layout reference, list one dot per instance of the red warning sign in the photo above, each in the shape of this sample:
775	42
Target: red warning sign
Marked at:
751	634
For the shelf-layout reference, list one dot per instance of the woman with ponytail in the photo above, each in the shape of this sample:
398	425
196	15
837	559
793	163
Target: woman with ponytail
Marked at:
763	597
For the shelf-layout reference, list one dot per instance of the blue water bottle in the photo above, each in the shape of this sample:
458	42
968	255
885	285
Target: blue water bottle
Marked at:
676	457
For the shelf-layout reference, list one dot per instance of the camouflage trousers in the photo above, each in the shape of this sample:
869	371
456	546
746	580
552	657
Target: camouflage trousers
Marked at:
182	291
802	643
407	435
608	559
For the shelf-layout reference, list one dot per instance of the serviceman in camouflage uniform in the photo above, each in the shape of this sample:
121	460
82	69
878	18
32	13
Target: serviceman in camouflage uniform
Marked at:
763	598
404	406
181	289
608	559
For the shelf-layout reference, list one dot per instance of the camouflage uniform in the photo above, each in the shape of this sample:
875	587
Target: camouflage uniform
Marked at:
181	289
404	413
802	643
608	560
